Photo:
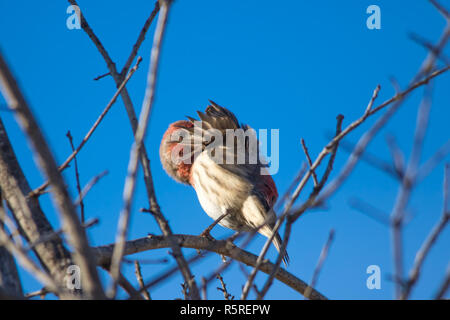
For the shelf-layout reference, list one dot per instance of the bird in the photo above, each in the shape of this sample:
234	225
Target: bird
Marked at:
236	193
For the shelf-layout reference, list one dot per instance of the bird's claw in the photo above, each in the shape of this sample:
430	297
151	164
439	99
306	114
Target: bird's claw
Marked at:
207	235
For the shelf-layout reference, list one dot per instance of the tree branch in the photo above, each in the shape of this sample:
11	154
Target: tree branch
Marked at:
28	214
143	157
104	254
9	276
61	198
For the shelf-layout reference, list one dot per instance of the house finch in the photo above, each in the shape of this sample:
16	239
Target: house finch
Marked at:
225	185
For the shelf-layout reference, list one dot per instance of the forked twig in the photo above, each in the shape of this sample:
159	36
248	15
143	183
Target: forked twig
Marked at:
322	257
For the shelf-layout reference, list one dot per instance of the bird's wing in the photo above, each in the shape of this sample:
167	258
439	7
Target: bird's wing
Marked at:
242	156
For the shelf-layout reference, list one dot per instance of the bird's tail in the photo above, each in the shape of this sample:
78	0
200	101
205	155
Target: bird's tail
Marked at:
277	243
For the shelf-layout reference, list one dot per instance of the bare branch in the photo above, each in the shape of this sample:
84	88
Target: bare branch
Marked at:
371	159
407	184
368	135
397	156
41	293
77	176
28	214
370	211
61	198
101	76
65	164
322	257
55	234
305	150
153	204
104	254
137	269
444	286
140	39
127	286
441	9
291	187
26	262
292	217
133	162
89	186
224	290
430	240
433	161
9	276
206	232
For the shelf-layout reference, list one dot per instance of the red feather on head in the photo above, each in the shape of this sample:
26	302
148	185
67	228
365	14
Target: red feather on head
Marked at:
178	171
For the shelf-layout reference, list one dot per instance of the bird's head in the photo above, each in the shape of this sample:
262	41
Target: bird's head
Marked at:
171	152
184	139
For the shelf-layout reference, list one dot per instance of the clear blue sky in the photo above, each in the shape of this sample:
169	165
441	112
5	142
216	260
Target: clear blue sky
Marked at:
292	65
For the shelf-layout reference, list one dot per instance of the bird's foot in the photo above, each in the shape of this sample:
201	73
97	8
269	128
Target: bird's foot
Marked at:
207	235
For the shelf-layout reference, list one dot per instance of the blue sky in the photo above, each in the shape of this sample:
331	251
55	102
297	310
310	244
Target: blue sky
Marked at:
291	67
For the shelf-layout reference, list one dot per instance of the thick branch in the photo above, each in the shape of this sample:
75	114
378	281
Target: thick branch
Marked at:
9	276
28	214
47	163
104	254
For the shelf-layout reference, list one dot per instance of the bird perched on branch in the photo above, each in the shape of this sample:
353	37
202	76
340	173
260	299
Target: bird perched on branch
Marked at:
229	182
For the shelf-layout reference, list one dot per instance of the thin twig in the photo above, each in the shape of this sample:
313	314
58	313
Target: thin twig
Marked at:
77	176
185	290
311	199
444	286
127	286
322	257
430	240
140	39
441	9
398	158
371	159
65	164
305	150
204	289
429	46
102	76
89	186
433	161
370	211
224	290
365	139
57	233
26	262
137	270
171	271
41	293
206	232
405	189
291	187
